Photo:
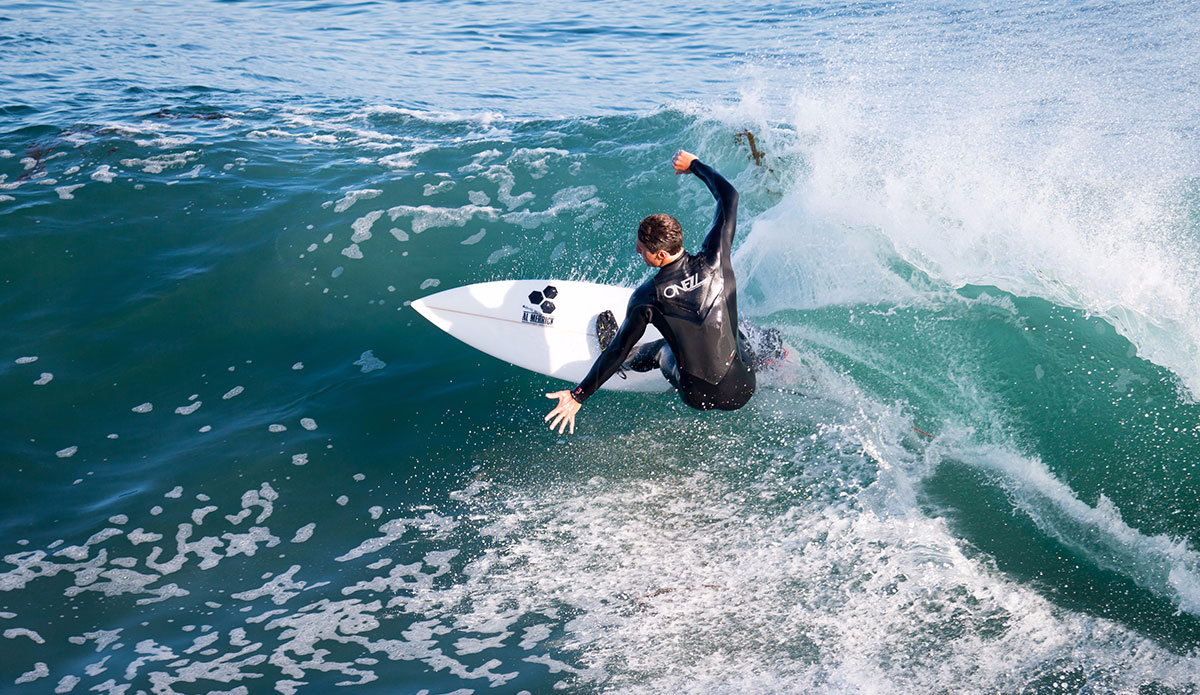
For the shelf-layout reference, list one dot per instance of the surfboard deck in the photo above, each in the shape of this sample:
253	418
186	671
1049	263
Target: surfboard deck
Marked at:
545	326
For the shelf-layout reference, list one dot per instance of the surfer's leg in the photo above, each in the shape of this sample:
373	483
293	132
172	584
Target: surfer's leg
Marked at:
668	364
645	357
737	387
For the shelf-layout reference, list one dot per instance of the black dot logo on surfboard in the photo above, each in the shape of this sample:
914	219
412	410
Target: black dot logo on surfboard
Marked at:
542	306
542	299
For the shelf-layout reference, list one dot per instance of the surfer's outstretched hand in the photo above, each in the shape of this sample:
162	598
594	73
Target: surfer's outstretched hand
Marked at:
682	161
564	412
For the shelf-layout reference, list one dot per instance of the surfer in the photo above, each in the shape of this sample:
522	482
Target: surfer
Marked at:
692	301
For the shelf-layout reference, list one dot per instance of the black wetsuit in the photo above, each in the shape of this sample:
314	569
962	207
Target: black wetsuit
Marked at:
692	301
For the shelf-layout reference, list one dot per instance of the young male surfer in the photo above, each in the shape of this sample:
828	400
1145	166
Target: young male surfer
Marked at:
692	301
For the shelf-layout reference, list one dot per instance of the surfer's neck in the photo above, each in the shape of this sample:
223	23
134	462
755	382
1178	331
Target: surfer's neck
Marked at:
669	260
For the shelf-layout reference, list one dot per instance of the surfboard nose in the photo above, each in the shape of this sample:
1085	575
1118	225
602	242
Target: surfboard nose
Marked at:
441	319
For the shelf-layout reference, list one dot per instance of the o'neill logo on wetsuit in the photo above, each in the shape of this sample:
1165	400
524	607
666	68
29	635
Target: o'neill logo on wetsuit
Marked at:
689	283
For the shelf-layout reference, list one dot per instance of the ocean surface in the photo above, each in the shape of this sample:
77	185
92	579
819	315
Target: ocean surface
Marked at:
233	460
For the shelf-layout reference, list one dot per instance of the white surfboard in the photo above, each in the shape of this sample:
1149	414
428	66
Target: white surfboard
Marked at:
547	326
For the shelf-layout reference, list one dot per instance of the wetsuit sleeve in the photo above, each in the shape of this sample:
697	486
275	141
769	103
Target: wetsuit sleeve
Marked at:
609	361
718	245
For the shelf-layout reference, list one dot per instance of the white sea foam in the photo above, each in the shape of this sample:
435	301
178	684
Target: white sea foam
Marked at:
68	192
501	253
160	163
405	159
536	159
580	201
362	226
40	670
318	140
482	118
434	189
103	174
429	217
369	362
821	592
166	141
505	181
304	533
15	632
478	160
353	197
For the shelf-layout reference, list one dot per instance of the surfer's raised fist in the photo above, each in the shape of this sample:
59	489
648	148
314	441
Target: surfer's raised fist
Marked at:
683	161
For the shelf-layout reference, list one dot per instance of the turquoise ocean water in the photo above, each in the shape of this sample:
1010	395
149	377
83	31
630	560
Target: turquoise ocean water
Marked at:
233	460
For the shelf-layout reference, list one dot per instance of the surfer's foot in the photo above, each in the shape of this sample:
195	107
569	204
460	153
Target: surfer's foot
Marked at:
606	329
767	347
644	358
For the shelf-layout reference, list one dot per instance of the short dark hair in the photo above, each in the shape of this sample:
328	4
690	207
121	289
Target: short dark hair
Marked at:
661	233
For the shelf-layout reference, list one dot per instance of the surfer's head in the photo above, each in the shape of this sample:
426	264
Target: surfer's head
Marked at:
659	239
